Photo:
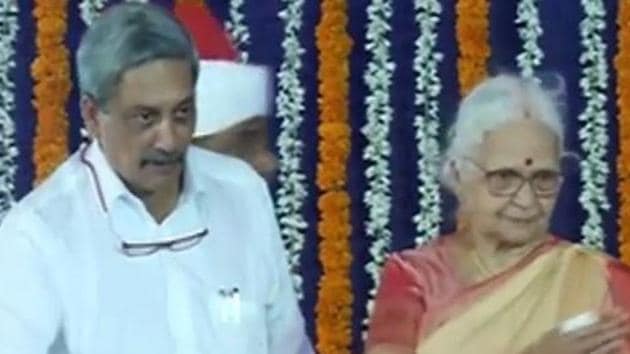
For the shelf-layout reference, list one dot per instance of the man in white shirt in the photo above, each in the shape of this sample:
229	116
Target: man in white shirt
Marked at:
140	243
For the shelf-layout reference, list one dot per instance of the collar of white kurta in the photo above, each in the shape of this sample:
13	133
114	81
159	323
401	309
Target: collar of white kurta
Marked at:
229	93
110	188
126	215
107	184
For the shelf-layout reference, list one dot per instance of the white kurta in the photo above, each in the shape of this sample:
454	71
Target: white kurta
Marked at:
64	282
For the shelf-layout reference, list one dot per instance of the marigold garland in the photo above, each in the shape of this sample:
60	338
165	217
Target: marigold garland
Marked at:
472	31
334	306
622	64
51	76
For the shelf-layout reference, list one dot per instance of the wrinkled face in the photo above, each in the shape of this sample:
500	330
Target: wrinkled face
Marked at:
248	141
146	127
511	195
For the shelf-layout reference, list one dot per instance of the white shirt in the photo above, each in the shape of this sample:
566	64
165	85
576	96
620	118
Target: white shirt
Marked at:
66	287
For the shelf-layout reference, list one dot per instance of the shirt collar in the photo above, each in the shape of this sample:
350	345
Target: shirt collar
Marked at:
193	186
110	187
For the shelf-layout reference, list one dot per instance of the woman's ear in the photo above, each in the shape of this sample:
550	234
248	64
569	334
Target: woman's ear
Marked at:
461	184
456	177
455	171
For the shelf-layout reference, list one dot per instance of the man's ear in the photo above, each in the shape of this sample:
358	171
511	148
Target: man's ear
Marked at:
89	112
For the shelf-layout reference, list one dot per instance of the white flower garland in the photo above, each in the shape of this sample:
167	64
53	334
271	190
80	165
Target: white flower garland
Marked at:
427	121
379	115
593	134
91	9
529	31
8	150
292	193
237	29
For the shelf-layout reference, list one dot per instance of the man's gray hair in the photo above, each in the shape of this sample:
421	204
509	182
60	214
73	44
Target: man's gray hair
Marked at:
496	101
127	36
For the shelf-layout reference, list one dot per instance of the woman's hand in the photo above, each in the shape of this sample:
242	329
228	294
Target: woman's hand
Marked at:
606	336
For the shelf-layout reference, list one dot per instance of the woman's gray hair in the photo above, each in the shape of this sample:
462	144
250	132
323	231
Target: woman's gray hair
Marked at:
496	101
127	36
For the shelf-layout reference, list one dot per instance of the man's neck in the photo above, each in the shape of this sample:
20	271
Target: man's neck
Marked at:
160	203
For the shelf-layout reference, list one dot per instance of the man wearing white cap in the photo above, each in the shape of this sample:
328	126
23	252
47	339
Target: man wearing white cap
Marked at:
233	98
140	243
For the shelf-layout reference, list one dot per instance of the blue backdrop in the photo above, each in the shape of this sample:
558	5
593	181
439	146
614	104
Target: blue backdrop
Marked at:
560	43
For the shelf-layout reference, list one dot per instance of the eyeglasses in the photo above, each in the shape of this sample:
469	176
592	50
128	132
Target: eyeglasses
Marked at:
137	249
176	244
507	182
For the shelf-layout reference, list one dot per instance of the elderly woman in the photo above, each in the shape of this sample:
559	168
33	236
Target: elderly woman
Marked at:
501	283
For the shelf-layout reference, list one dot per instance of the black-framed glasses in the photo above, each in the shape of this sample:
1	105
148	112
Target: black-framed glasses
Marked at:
507	182
137	249
174	244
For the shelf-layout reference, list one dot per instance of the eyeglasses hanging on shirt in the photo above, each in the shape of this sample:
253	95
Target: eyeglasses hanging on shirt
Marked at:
138	249
175	244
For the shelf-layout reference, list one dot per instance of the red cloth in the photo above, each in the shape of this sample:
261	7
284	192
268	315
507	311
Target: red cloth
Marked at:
211	40
418	286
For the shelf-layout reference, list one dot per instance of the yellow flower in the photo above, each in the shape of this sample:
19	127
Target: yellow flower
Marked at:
472	40
334	315
51	77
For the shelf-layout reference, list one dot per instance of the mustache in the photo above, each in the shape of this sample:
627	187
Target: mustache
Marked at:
160	157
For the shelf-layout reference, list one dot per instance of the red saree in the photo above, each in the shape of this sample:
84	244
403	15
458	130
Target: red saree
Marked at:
423	306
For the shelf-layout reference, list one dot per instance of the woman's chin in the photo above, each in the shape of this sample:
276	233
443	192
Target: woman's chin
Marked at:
518	233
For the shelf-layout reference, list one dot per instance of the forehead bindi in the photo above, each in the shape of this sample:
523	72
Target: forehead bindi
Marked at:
519	143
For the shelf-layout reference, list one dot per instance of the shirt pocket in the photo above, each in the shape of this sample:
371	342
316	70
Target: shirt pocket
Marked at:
238	324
